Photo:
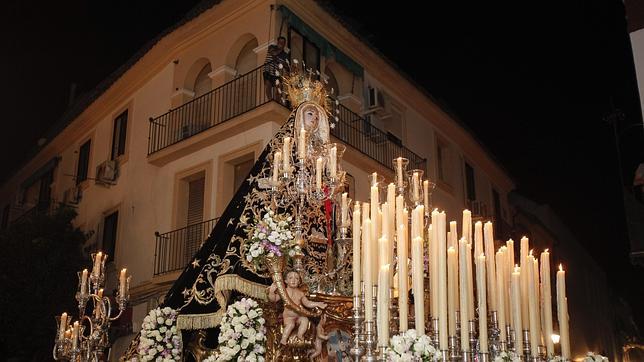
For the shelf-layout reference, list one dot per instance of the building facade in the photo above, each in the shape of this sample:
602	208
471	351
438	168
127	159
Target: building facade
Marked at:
153	158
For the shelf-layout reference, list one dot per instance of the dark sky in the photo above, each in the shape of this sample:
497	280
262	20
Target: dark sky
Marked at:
533	80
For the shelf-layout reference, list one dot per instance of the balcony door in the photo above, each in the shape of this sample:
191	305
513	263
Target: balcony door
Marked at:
194	231
246	86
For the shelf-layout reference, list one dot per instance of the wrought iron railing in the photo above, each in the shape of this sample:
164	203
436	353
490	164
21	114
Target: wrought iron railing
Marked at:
236	97
175	249
360	134
246	93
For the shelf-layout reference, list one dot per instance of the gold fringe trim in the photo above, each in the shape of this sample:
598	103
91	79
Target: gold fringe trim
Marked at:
223	285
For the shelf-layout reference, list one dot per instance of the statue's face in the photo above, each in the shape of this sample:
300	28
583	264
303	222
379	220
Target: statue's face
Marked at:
293	279
311	118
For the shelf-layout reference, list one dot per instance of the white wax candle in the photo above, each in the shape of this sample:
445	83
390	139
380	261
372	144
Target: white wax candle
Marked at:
546	296
517	320
463	293
383	306
426	194
356	249
500	296
96	271
286	155
403	276
434	255
344	209
452	284
509	269
385	222
532	309
365	216
537	289
62	327
301	145
318	173
525	246
368	266
375	225
399	172
482	303
391	203
75	335
442	280
453	241
97	309
415	182
83	286
478	240
470	283
467	226
417	284
277	160
333	158
488	233
122	281
562	311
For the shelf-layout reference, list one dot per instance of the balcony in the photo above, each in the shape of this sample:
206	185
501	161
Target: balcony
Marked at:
246	93
175	249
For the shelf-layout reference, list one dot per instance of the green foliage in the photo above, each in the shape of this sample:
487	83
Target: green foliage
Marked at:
38	264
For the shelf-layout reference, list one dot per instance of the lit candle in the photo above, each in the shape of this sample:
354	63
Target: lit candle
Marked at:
467	226
277	160
562	311
500	296
383	303
62	327
318	173
491	268
333	159
97	309
399	172
96	271
344	210
375	229
517	322
478	239
470	283
525	246
286	155
391	203
301	144
434	255
75	335
452	284
68	334
463	293
356	249
83	286
532	308
508	274
403	276
122	282
417	283
415	182
440	240
481	294
453	240
426	194
368	265
546	295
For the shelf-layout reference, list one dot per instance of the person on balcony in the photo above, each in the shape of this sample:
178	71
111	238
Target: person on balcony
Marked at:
275	56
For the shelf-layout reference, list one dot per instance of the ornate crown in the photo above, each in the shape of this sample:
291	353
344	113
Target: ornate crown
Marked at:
301	85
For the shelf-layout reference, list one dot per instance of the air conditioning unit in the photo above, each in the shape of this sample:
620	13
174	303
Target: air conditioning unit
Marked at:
72	195
107	173
376	102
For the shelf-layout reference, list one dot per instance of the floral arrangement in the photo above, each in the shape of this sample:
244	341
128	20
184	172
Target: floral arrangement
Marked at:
243	335
160	340
271	237
409	346
507	357
555	358
592	357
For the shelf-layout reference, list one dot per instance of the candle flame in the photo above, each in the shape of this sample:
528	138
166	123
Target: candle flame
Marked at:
451	248
546	251
530	253
124	270
560	267
517	269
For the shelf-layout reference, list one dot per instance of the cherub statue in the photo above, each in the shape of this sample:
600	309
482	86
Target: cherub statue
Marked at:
320	336
292	318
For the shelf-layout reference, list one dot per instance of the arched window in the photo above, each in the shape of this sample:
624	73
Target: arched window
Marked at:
247	59
203	83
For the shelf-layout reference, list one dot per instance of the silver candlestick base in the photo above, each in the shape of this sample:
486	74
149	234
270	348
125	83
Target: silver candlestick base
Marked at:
356	349
526	343
510	338
382	354
444	355
484	357
435	331
370	342
472	334
452	345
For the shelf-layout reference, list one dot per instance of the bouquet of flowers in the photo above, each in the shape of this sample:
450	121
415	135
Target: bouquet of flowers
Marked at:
409	346
160	340
507	357
243	335
592	357
271	237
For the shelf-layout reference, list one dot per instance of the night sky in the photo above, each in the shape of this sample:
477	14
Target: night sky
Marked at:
533	81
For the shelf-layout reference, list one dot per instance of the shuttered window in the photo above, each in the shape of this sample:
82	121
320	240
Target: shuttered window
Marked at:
195	201
119	135
110	227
